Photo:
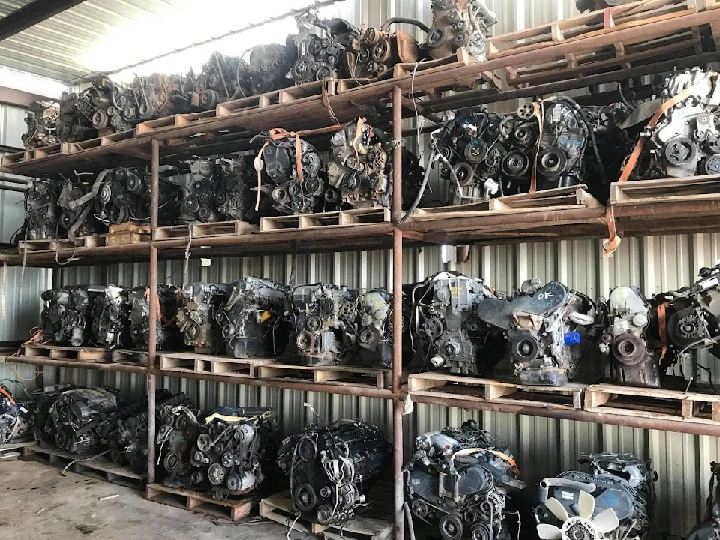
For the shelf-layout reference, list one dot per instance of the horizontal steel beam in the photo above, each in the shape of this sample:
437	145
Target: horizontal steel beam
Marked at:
32	14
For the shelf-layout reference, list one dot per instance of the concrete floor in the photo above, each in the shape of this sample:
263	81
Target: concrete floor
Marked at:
36	502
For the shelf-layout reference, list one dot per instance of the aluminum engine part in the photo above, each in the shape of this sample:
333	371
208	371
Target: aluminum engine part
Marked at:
16	418
325	323
460	482
292	192
627	343
128	432
197	318
693	317
686	139
446	330
109	316
332	467
322	46
254	320
216	189
545	327
66	317
41	120
234	447
484	155
124	195
460	23
709	529
74	419
41	211
376	50
375	327
167	334
614	500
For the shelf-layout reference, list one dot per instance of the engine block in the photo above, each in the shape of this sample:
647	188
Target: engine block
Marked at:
321	46
66	316
614	500
460	482
446	329
197	318
332	467
460	23
109	316
42	213
254	319
16	418
41	120
709	529
167	333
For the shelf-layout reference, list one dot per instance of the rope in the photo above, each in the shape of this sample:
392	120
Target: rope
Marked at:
326	100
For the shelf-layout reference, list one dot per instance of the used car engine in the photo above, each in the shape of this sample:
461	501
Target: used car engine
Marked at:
375	327
332	467
460	482
321	46
445	326
325	318
41	211
197	318
629	342
291	170
225	453
254	319
167	333
376	50
109	316
545	327
66	317
77	206
709	529
74	419
460	23
686	140
614	500
41	120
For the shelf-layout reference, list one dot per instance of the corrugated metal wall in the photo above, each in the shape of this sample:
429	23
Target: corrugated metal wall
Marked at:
544	447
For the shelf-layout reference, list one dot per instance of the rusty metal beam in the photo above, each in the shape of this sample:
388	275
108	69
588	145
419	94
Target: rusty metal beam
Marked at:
18	98
32	14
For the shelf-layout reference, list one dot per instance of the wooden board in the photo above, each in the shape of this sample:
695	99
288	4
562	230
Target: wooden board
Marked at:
344	375
342	218
653	403
496	391
232	509
57	352
45	245
205	363
279	508
96	467
222	228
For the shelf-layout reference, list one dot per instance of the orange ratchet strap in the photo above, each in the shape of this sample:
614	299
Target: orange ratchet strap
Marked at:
7	395
662	327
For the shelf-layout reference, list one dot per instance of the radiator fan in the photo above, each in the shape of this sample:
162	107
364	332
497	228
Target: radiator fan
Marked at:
582	526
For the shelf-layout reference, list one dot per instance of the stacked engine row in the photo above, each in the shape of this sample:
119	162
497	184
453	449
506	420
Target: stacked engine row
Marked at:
451	322
292	180
480	155
249	318
322	48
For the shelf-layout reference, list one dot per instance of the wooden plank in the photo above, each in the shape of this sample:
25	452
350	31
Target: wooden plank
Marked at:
56	352
379	378
230	509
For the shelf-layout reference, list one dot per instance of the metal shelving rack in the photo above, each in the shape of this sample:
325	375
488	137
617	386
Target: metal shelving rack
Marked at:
312	112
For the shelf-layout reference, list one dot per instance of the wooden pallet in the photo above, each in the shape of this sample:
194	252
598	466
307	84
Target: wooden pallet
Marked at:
128	233
75	354
461	58
342	218
232	509
343	375
286	95
451	387
128	356
618	54
48	244
653	403
13	450
279	508
95	467
568	198
202	230
684	202
205	363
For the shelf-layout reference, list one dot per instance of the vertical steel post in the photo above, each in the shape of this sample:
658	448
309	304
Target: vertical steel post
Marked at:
397	315
153	305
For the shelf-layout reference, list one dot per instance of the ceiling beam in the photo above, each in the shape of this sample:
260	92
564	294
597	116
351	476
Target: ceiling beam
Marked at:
19	98
32	14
